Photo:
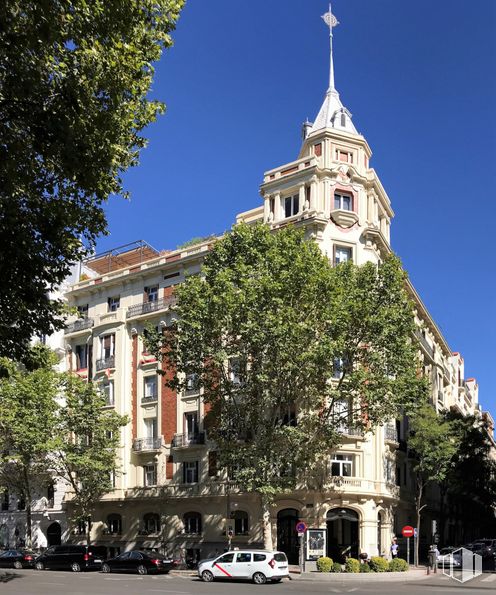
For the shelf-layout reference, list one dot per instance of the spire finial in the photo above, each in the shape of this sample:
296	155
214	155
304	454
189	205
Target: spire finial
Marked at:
331	21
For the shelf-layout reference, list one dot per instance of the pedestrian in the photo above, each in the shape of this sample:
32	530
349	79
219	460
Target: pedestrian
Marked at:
394	548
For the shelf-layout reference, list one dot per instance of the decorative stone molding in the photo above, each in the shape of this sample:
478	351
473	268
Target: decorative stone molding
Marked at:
344	218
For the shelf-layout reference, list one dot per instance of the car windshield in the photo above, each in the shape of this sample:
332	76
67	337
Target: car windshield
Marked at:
280	557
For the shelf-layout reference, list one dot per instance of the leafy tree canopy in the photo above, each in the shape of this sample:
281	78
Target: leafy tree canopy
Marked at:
85	453
264	331
28	410
74	84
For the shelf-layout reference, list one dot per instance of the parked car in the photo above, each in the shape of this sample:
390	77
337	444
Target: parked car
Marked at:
259	566
446	557
17	559
488	547
72	557
138	561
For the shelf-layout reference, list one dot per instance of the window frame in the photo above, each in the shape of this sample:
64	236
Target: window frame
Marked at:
293	201
340	460
339	196
190	467
147	380
113	303
150	471
342	248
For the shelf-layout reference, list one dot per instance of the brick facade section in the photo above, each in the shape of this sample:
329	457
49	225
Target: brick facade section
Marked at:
169	406
134	386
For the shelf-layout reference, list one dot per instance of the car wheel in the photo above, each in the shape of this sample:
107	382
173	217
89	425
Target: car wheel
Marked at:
75	567
40	566
142	569
105	568
207	576
259	578
17	564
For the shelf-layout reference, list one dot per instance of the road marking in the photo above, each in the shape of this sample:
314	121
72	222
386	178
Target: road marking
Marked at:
165	591
489	579
63	584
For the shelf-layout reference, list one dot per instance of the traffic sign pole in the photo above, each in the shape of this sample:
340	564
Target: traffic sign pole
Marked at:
408	551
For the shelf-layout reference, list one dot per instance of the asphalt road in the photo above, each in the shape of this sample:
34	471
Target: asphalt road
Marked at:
30	582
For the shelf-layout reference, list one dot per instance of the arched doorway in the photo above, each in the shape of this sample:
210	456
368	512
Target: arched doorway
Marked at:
53	534
287	538
342	534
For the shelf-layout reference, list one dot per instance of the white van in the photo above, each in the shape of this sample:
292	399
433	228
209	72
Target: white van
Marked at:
259	566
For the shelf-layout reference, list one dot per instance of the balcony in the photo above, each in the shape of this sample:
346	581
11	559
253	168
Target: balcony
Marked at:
147	444
149	307
79	325
391	433
105	363
351	431
185	440
185	490
425	345
149	399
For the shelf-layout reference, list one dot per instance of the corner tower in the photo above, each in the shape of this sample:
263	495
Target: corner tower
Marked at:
330	188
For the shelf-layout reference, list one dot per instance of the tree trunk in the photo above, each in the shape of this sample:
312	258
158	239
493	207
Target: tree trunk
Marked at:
442	513
419	507
29	517
266	524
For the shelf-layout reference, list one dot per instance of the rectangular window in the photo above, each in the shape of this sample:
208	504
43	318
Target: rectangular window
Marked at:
343	202
113	303
107	390
291	205
344	156
235	371
81	357
82	311
212	463
150	475
192	384
342	465
190	472
150	427
342	254
191	425
150	388
341	415
151	293
107	346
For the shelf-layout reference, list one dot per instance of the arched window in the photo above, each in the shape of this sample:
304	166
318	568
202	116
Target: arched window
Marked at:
343	120
241	522
151	522
192	523
114	524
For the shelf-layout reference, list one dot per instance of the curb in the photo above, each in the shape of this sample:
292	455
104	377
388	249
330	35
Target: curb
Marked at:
374	577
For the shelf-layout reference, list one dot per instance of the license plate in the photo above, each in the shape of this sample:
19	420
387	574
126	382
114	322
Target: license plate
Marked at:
97	560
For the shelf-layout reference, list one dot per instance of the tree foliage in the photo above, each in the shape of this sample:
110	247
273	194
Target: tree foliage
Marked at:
74	85
28	408
85	453
265	329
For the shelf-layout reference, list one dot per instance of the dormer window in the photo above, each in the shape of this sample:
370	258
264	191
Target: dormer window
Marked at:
343	202
344	156
291	205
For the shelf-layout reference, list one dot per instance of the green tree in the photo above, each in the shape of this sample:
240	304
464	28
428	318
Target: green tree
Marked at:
74	99
471	479
85	453
433	443
265	329
28	409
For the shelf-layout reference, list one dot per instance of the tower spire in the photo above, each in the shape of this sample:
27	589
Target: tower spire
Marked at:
332	114
331	21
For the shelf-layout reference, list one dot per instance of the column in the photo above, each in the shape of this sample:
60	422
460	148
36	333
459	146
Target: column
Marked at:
313	194
301	202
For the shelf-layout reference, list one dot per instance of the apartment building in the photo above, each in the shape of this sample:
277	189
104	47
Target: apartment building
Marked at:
171	496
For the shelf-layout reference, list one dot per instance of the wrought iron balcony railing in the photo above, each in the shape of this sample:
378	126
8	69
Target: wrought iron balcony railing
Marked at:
391	433
104	363
148	307
149	398
79	325
423	341
147	444
181	440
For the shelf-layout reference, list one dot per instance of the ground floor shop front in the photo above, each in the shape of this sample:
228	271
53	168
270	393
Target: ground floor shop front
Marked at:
189	529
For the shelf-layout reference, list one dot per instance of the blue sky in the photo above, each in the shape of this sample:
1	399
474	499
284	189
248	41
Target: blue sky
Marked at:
419	78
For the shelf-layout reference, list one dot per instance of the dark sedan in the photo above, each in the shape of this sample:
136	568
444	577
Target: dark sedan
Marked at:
17	559
137	561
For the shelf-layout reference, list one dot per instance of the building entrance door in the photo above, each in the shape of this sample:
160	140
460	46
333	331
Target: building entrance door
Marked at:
287	538
53	534
342	534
